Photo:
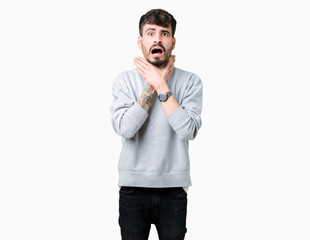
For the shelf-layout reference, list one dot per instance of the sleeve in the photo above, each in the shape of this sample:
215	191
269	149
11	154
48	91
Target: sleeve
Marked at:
127	115
186	120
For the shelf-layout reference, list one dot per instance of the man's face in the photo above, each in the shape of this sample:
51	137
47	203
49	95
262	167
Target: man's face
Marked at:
156	44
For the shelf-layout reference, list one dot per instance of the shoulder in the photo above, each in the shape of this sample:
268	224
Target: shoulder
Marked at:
130	74
186	76
126	77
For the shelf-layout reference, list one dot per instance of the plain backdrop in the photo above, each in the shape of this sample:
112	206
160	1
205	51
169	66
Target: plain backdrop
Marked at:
59	153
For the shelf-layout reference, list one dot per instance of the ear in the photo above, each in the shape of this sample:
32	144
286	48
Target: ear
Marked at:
173	42
139	42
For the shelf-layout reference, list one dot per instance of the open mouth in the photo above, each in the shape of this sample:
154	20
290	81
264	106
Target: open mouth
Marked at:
157	51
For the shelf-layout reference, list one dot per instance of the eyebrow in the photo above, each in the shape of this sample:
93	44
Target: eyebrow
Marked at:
153	29
165	31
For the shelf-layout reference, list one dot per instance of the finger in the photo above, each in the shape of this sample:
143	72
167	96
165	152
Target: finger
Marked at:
139	60
172	58
171	67
141	72
170	63
139	67
143	61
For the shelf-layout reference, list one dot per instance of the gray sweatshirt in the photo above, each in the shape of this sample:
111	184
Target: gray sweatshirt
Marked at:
155	147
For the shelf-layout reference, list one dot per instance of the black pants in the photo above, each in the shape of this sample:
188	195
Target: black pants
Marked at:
164	207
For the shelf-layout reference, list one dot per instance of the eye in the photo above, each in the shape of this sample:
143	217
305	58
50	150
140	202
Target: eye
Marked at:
150	34
165	34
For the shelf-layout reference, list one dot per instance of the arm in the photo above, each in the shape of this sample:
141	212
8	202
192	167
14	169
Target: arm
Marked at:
157	77
127	114
146	98
171	104
184	118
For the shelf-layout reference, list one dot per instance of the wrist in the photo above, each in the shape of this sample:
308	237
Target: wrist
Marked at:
162	87
149	88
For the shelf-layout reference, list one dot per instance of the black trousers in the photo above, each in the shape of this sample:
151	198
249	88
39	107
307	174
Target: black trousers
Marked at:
164	207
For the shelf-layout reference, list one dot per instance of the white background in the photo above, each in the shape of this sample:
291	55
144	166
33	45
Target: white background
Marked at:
249	163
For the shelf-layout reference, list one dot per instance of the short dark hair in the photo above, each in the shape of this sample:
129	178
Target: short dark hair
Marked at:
158	17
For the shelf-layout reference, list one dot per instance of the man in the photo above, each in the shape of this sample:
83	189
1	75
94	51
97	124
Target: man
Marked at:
156	109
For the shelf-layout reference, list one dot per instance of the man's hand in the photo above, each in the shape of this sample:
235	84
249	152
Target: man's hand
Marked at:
156	77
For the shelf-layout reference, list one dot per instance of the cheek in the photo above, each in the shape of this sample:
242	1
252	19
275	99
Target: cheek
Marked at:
145	48
172	44
144	51
169	45
170	48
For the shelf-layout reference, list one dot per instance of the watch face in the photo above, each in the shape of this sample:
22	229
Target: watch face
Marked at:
162	97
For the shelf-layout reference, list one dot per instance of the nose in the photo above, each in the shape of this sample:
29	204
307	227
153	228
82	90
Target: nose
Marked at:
157	38
157	42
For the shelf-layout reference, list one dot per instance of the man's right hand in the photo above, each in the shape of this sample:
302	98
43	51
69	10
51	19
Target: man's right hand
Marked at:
156	77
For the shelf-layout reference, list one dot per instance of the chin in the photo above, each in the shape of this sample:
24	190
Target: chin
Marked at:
158	62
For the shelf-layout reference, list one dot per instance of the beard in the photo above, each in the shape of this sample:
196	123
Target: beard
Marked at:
158	62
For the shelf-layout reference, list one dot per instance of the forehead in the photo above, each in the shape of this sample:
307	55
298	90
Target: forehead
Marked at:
148	27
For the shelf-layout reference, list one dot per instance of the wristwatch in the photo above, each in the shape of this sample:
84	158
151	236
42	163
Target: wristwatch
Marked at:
164	96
